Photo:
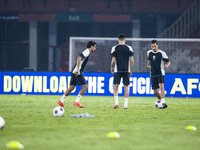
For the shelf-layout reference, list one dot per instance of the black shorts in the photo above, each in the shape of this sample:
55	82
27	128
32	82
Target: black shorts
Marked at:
155	81
77	80
124	75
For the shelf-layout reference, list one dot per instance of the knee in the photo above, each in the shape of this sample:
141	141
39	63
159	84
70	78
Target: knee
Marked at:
162	88
115	87
85	87
72	87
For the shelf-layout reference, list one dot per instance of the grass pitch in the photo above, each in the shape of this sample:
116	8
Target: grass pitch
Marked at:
29	120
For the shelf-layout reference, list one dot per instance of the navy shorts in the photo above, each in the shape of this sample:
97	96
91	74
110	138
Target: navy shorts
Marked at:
124	75
155	81
77	79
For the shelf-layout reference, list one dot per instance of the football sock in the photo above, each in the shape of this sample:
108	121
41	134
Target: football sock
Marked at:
116	100
163	100
78	98
126	103
63	98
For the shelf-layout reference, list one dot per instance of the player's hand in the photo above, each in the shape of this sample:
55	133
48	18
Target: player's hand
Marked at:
130	73
112	70
166	66
148	66
76	73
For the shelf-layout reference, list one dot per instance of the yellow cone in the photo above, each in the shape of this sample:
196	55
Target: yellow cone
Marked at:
113	135
15	144
191	128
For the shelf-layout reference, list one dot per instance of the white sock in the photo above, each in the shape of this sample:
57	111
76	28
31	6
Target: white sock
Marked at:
78	98
163	100
116	100
63	98
126	103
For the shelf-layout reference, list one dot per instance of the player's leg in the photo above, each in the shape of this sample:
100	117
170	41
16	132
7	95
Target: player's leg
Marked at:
83	89
157	93
162	91
80	94
161	81
68	91
126	95
83	83
115	92
155	87
126	82
117	79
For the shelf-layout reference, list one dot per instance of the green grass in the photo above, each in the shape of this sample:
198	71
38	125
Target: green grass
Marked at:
30	121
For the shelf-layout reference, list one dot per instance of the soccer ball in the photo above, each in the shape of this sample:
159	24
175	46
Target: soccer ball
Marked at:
159	104
58	111
2	123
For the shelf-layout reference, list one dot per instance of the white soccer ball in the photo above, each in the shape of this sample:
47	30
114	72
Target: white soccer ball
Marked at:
2	123
58	111
159	104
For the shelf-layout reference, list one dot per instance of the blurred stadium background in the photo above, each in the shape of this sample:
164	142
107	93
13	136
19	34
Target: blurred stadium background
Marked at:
34	34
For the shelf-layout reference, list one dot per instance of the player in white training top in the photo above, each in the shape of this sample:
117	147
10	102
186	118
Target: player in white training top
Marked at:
121	66
157	62
77	77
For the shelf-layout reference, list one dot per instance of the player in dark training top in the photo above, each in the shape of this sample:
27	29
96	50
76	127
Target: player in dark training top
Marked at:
157	62
121	66
77	77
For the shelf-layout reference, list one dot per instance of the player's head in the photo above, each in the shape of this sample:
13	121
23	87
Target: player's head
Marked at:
121	37
154	45
91	45
154	42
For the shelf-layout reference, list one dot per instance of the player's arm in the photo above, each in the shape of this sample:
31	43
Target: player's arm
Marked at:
131	65
165	59
78	62
148	64
112	64
167	64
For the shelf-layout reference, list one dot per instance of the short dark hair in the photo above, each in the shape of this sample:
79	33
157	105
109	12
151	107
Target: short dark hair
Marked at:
121	36
91	43
154	41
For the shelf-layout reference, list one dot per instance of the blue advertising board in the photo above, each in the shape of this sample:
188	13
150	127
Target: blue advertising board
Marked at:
99	84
